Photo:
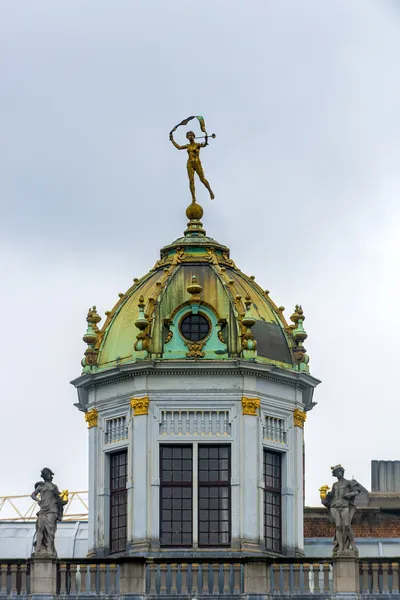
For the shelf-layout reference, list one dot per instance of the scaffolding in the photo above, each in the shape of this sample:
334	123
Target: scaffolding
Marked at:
24	509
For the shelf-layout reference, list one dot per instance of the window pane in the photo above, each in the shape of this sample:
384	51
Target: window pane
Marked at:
214	495
272	501
176	495
118	501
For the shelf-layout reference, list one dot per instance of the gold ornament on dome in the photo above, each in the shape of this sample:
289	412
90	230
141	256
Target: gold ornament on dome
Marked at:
195	349
250	406
193	164
299	417
140	406
91	418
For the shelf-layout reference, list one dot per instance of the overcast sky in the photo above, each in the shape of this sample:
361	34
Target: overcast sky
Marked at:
304	97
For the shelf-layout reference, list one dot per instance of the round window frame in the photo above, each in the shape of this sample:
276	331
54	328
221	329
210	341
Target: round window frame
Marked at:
189	314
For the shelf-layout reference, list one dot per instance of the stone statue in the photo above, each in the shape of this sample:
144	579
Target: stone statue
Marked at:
51	504
341	505
193	149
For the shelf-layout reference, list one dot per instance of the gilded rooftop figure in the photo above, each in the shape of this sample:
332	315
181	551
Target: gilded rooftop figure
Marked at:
193	149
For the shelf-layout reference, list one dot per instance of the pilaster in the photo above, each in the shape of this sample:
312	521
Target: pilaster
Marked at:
250	452
140	466
299	418
91	418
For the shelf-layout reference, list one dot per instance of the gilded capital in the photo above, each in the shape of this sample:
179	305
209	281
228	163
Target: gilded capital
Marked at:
299	417
91	418
250	405
140	406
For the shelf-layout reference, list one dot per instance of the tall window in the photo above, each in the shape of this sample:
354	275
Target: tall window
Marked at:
214	478
176	476
272	501
118	504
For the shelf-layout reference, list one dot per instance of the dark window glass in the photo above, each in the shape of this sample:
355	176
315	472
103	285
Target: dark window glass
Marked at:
272	501
195	327
176	468
118	501
214	516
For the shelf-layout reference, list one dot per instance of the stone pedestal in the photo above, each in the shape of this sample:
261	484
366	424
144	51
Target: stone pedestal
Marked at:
43	577
255	578
346	575
132	578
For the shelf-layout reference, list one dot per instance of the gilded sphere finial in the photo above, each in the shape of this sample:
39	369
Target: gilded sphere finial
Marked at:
194	211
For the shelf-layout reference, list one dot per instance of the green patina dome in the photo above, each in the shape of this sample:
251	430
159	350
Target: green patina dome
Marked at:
195	276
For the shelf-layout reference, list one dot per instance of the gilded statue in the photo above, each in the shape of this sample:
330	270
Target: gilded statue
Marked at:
340	502
193	149
51	504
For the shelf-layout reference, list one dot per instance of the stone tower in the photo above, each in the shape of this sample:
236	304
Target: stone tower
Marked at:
195	392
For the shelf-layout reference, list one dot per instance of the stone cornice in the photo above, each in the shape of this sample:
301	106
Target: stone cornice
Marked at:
238	368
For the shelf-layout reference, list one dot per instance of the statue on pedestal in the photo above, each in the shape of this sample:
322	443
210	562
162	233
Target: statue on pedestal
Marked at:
341	505
51	504
193	149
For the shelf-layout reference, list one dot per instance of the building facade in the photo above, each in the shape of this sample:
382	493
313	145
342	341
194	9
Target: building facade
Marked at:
195	391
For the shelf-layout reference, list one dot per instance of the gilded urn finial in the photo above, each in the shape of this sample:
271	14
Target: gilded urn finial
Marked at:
194	289
90	338
299	335
142	323
249	343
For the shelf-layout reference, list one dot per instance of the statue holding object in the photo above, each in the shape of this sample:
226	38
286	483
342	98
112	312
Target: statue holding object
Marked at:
51	504
193	149
340	502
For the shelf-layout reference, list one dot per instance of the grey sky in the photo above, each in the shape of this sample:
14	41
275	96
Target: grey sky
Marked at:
305	100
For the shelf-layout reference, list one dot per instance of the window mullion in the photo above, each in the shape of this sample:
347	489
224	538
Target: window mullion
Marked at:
195	497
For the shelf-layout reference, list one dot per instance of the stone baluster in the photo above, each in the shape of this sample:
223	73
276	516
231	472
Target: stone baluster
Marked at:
306	578
23	570
187	422
195	579
286	578
364	571
102	578
318	577
93	579
172	422
163	579
113	581
73	571
226	575
13	578
296	578
202	422
210	427
326	583
180	422
216	580
226	414
62	570
385	577
184	579
173	572
375	578
164	422
195	423
395	578
237	578
205	577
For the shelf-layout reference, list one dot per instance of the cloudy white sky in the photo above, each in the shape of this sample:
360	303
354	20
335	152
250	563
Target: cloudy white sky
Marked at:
305	99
